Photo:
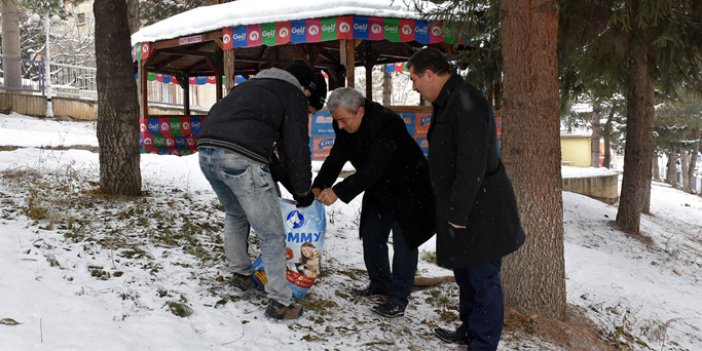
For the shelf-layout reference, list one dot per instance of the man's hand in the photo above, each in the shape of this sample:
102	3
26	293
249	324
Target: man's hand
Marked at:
327	196
316	191
304	201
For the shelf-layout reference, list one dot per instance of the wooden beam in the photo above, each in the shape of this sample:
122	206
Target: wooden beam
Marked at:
348	60
204	37
229	64
144	89
368	63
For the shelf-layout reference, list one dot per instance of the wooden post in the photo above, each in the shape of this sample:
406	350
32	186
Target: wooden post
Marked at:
143	80
184	82
369	62
348	55
229	62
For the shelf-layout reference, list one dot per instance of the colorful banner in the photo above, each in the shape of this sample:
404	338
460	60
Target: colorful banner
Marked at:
169	135
334	28
166	78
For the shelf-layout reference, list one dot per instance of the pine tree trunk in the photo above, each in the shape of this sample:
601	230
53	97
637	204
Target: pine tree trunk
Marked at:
693	158
607	136
118	111
596	133
133	16
683	170
636	181
11	52
534	276
670	169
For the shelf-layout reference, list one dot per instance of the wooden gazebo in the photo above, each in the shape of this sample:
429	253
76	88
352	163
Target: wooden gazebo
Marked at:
245	36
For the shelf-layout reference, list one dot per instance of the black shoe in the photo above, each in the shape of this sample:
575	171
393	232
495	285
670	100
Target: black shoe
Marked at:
450	336
242	282
389	310
367	292
277	310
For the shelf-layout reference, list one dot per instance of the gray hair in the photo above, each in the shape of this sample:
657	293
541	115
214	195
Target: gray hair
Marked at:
347	98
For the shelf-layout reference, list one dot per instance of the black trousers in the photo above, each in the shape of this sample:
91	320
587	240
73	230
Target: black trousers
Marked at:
376	223
481	305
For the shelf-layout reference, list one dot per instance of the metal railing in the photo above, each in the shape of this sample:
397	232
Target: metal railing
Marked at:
31	75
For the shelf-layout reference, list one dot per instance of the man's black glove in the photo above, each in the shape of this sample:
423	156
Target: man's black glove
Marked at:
304	200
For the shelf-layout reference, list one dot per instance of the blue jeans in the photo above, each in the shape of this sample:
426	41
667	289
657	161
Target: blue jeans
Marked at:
247	191
376	223
481	304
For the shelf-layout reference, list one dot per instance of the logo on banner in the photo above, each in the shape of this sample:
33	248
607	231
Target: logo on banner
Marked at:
298	30
145	47
254	35
284	32
186	125
344	27
376	28
436	30
142	127
328	142
226	38
360	27
148	140
313	30
407	29
295	219
170	142
165	126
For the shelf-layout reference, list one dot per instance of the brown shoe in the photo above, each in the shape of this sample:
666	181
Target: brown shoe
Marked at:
276	310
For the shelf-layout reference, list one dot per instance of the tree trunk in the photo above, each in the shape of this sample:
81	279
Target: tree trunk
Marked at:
534	277
655	169
387	88
596	133
693	159
11	52
607	136
133	16
639	135
670	169
684	170
118	111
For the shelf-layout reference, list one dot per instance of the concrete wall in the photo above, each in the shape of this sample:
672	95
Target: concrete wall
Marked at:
35	105
575	151
603	188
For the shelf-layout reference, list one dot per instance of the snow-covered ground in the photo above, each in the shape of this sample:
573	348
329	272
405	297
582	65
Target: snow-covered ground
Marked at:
81	271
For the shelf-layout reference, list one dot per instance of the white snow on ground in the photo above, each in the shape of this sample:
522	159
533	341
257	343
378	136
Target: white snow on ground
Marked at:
99	273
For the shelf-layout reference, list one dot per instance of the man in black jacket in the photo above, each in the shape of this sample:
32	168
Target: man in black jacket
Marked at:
476	211
394	174
236	145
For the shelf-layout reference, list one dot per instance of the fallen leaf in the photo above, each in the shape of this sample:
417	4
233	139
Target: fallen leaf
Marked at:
8	321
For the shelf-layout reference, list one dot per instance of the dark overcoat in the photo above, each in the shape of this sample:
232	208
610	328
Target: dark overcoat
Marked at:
390	168
470	185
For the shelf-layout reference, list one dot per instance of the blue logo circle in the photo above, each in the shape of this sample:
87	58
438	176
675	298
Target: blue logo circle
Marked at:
295	219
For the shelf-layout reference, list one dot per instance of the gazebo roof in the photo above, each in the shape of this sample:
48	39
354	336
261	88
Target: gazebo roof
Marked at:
247	12
265	33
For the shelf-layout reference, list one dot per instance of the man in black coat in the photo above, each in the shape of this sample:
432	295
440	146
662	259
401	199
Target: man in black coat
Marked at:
394	174
476	212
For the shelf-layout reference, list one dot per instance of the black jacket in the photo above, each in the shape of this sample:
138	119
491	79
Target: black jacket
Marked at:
256	117
470	185
390	168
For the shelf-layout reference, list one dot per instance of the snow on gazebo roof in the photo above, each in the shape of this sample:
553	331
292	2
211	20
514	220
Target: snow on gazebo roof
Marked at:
247	12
